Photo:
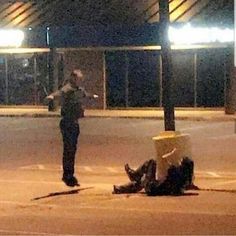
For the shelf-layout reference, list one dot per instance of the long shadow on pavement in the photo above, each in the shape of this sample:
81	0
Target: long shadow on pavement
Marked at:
218	190
74	191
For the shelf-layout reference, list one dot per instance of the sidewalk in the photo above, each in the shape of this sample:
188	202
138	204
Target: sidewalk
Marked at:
180	113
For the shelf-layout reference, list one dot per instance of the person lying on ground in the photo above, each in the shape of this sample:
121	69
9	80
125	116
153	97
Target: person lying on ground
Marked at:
178	179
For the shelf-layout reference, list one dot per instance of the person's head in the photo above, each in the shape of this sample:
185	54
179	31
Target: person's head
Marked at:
76	78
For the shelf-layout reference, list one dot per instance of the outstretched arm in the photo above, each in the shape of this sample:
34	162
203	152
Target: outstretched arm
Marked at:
54	94
67	87
87	94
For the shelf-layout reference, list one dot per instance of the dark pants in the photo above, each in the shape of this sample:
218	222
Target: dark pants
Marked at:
146	173
70	131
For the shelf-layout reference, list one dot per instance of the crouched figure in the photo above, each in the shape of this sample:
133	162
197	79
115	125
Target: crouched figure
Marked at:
177	180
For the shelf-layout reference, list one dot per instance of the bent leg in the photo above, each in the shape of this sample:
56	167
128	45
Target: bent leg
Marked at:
150	173
132	187
148	168
145	167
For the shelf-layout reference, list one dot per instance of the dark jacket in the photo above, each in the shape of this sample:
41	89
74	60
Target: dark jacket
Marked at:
178	178
71	101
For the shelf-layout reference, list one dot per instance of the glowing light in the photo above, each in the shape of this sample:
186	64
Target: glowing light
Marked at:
11	38
191	35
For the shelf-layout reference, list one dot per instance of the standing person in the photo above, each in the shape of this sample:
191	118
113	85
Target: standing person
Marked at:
71	110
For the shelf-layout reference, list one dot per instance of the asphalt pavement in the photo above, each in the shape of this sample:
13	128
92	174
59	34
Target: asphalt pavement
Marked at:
34	200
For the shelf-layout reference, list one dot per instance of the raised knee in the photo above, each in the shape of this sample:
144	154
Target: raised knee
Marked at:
152	161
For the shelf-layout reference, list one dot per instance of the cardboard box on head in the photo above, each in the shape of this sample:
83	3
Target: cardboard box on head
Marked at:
171	147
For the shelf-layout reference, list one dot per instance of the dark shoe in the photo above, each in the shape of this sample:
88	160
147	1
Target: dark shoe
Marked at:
132	187
71	182
131	174
192	187
116	190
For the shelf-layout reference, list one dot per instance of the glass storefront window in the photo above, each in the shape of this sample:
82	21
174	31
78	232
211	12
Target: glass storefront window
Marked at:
23	79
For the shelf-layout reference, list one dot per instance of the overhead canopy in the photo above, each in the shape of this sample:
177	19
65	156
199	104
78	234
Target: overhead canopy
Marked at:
201	11
48	13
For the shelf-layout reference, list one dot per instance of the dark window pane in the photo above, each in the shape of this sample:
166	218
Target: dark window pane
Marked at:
183	80
115	71
144	79
210	86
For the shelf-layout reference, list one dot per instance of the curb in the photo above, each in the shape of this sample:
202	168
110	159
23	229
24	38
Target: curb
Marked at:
31	115
55	115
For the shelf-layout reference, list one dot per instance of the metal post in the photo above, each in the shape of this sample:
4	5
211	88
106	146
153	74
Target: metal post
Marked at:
225	79
35	81
161	85
126	80
6	82
53	76
195	79
61	68
51	106
104	83
230	103
50	71
169	115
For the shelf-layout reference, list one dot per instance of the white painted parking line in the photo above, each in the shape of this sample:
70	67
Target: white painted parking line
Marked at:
213	174
194	128
29	167
120	170
41	167
210	174
227	173
111	169
223	136
18	232
225	182
87	168
28	182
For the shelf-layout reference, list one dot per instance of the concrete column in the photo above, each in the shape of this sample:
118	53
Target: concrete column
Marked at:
195	79
161	86
170	142
35	81
6	82
169	113
104	81
126	80
230	83
53	77
61	68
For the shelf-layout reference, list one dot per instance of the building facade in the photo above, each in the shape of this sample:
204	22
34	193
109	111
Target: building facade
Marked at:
121	61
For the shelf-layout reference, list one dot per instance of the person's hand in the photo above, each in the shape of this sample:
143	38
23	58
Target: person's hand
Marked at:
50	97
95	96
